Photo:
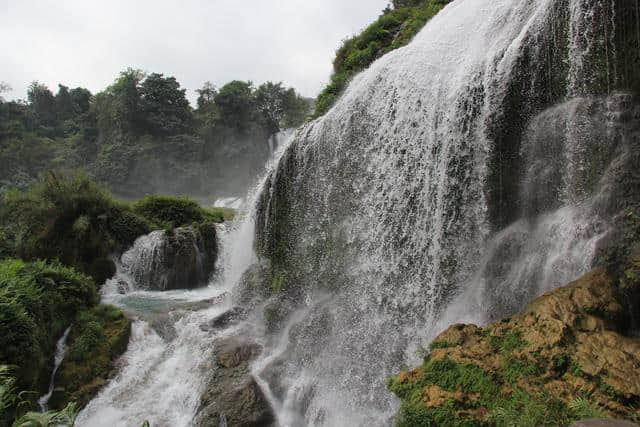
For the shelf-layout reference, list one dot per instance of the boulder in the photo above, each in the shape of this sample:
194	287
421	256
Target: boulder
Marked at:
233	397
182	258
225	319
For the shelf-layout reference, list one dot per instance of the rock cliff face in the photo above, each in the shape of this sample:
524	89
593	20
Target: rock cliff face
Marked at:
569	355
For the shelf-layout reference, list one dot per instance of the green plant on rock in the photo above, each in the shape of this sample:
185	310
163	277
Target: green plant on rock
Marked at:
583	409
393	29
170	211
63	418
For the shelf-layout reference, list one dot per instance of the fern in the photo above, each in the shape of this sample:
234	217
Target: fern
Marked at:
583	409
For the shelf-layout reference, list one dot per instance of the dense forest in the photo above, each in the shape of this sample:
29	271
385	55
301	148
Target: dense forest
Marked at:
140	135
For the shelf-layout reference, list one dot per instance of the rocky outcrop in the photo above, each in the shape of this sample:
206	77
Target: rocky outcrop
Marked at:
233	398
565	358
173	259
98	337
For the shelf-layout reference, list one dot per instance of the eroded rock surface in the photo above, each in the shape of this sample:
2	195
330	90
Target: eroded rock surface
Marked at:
233	398
566	355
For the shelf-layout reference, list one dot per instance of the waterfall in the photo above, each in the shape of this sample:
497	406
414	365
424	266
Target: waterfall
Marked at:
455	179
162	260
61	351
162	375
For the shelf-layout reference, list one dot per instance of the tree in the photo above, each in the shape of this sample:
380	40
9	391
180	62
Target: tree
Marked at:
296	109
206	96
81	99
117	108
42	104
270	103
235	104
164	105
64	104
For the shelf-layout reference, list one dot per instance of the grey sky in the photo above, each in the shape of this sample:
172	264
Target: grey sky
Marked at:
87	43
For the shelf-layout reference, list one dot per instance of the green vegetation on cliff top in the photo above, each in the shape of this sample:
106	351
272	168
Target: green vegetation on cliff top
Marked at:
393	29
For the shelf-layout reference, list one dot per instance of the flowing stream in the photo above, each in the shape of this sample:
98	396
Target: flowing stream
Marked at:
61	351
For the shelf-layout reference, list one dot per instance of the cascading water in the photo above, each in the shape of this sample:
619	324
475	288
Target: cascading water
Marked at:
161	376
444	186
455	179
61	351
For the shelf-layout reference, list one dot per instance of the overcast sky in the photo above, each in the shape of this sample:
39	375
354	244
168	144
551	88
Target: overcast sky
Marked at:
88	42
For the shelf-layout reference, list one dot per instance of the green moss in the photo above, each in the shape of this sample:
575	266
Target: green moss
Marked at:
484	399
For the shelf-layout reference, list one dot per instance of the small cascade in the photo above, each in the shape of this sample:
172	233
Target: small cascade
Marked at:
164	371
162	260
61	351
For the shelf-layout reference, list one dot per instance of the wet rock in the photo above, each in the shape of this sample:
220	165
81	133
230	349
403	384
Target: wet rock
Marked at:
183	258
225	319
233	397
231	352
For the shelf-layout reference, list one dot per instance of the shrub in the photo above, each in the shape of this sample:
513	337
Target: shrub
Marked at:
172	212
67	216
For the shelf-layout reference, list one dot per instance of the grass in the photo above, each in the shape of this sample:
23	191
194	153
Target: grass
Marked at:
482	398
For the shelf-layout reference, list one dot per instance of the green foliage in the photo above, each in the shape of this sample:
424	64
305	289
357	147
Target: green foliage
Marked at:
525	410
583	409
507	343
393	29
67	216
37	302
171	212
513	369
484	392
164	105
235	104
64	418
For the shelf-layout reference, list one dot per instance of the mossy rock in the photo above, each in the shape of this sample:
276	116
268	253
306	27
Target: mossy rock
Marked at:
565	358
98	337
